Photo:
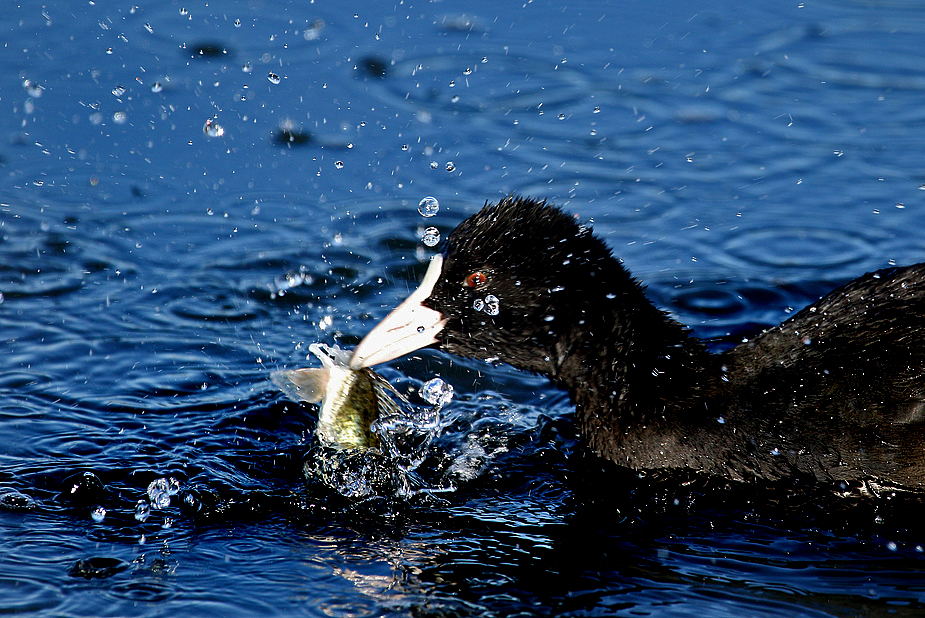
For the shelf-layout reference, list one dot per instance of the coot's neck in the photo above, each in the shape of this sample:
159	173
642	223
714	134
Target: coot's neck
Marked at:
643	386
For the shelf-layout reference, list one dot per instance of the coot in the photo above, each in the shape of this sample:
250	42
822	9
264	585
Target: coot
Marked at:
837	392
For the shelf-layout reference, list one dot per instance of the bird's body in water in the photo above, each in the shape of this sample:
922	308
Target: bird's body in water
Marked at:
836	393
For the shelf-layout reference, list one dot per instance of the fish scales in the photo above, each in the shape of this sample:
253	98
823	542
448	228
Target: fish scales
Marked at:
351	400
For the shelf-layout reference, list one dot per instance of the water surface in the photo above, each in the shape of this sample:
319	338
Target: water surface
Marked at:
190	194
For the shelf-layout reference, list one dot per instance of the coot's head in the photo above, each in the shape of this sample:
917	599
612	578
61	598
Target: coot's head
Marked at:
512	284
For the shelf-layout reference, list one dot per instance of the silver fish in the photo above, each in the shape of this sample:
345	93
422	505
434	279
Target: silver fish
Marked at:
351	399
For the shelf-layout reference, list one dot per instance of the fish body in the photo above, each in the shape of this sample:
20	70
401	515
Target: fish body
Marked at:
351	399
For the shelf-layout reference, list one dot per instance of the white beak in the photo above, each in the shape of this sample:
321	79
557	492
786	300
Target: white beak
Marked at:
409	327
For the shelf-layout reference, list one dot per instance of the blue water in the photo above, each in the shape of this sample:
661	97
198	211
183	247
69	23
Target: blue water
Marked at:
742	159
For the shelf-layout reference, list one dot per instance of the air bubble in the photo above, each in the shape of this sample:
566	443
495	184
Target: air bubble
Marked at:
437	392
157	87
274	78
339	165
478	304
98	514
428	207
118	91
450	166
431	237
142	510
492	305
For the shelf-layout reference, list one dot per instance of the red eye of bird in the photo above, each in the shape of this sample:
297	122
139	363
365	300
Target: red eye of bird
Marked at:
476	279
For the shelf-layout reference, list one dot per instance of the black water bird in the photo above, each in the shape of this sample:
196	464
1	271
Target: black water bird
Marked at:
835	393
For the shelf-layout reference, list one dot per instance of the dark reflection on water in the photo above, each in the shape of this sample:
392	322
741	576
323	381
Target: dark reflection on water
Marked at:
742	160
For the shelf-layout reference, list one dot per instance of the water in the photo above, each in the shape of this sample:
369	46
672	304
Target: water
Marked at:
741	159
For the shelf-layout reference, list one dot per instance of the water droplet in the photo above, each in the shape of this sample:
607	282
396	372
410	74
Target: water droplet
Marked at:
437	392
118	91
159	493
431	237
611	296
561	116
183	11
339	164
478	304
492	305
149	28
33	89
142	510
450	166
429	206
274	78
237	23
291	280
434	165
468	71
596	110
247	68
98	514
213	129
157	87
314	30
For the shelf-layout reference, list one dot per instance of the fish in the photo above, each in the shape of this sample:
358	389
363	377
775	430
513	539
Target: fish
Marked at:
351	399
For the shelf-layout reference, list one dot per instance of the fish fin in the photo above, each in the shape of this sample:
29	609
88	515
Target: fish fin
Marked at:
385	396
330	355
302	384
